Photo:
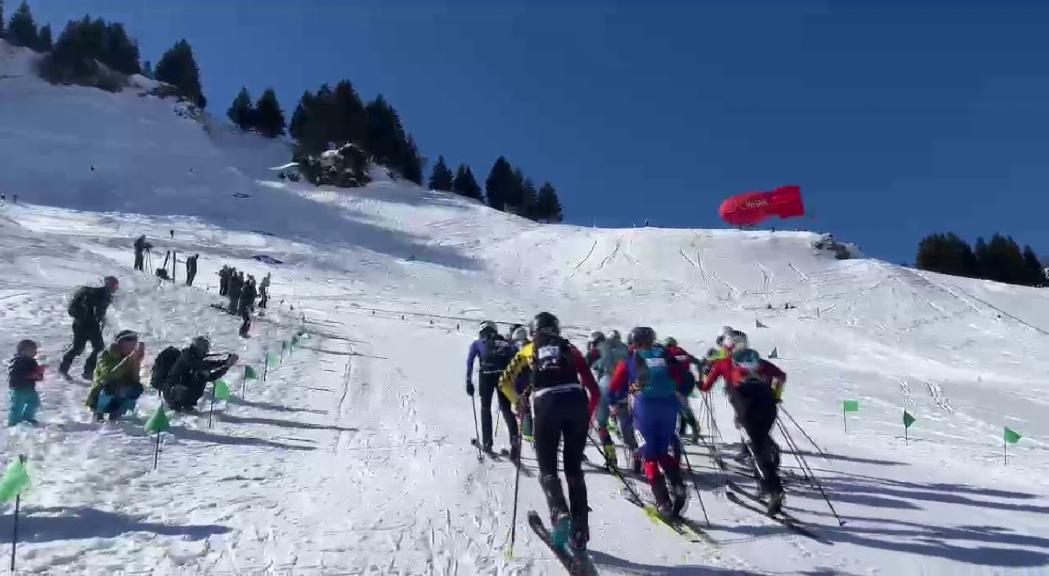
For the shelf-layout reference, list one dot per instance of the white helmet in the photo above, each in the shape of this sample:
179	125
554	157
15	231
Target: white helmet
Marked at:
735	341
520	334
487	327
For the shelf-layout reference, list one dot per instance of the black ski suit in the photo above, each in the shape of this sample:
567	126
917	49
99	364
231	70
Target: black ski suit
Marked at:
140	249
247	306
561	384
191	269
88	310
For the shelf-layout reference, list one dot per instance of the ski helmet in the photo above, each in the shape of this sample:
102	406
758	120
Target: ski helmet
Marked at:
488	328
520	334
596	338
202	344
736	341
747	360
615	336
642	336
545	323
669	342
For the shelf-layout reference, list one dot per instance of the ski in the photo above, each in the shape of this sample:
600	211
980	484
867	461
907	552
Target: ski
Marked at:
682	526
495	456
783	518
576	562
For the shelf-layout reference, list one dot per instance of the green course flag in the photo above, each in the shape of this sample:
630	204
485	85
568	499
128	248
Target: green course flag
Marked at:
250	374
908	419
15	481
851	405
158	422
1011	436
272	359
222	390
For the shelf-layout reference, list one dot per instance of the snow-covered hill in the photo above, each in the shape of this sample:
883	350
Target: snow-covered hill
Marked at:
354	455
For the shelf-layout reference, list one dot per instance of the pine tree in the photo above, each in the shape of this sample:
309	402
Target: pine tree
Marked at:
409	162
22	30
465	184
242	112
501	184
548	205
120	51
388	143
147	69
43	39
298	119
441	178
3	29
1035	270
268	117
350	122
529	199
946	254
179	68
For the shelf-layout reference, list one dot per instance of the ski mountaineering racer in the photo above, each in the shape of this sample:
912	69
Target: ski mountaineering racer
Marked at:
755	387
652	375
688	385
604	355
494	353
564	397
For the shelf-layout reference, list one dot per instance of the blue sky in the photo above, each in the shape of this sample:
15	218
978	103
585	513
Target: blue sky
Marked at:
897	118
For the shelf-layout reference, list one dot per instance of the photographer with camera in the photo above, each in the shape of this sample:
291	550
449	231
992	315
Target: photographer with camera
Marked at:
141	248
189	376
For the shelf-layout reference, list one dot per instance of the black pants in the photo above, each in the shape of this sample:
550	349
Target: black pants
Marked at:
83	332
489	387
562	415
756	412
138	261
190	275
245	326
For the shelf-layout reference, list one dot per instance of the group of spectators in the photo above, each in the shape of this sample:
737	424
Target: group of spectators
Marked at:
242	291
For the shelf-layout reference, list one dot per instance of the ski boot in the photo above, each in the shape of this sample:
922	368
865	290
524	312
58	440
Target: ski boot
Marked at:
580	533
515	451
678	491
775	505
663	504
611	461
560	528
636	465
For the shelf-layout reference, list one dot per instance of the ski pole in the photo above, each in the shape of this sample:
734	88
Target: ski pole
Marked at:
517	489
809	438
477	433
819	485
695	482
498	419
805	470
615	471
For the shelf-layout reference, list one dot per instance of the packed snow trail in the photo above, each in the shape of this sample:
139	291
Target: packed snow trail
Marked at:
354	456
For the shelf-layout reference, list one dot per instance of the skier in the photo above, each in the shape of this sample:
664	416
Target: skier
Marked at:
264	291
224	275
23	372
603	358
141	247
649	373
519	338
564	398
754	387
191	268
247	305
236	284
494	353
117	386
685	361
88	309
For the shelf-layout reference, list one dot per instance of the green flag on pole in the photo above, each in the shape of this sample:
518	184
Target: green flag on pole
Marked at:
908	419
158	422
851	405
1011	436
272	359
221	390
15	481
250	374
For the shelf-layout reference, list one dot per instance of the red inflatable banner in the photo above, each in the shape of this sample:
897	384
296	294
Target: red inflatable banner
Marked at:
753	208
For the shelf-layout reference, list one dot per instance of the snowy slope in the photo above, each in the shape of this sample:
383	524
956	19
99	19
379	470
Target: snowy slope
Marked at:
353	456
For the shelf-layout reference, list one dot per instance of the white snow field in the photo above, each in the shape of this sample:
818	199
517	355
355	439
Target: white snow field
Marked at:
353	457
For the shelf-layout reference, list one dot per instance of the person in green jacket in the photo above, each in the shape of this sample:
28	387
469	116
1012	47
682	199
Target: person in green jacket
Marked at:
117	384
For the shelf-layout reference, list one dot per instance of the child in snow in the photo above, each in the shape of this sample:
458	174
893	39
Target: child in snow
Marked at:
23	373
117	384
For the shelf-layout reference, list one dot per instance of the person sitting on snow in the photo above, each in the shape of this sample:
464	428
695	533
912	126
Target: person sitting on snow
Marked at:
191	373
23	372
117	382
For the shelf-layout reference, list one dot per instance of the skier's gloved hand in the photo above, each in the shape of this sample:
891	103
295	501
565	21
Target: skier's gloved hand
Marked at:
469	388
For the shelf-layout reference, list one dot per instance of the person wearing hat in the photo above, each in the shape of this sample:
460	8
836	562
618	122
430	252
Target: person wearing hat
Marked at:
88	309
190	374
117	383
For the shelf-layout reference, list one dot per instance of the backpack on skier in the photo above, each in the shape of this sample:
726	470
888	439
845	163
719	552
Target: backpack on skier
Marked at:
80	305
162	367
650	370
497	355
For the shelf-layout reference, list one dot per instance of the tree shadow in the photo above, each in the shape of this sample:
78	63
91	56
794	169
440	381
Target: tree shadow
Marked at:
627	567
282	423
273	407
203	436
81	522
